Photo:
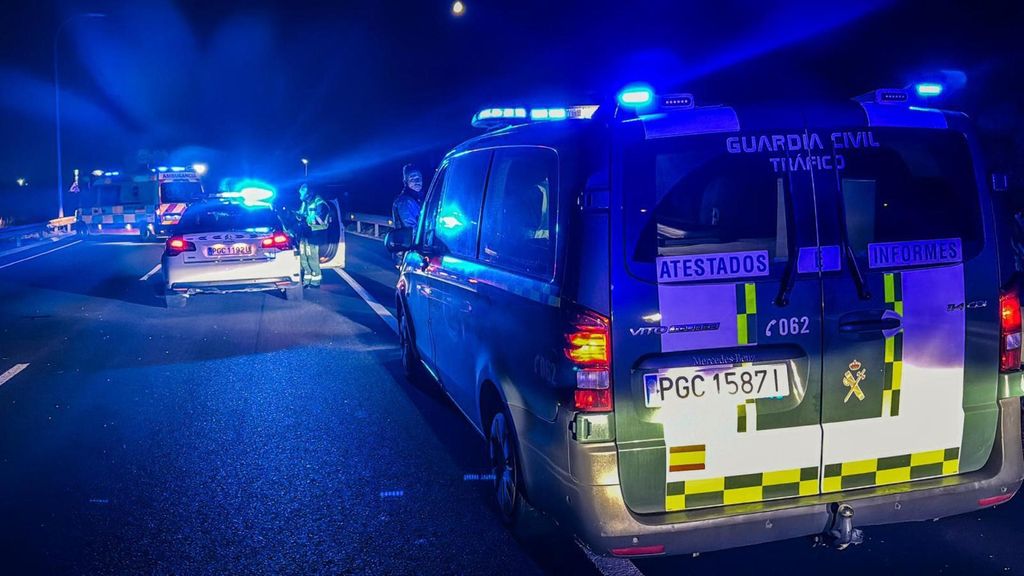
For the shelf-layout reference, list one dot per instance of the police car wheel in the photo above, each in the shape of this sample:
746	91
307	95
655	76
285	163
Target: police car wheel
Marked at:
175	300
505	467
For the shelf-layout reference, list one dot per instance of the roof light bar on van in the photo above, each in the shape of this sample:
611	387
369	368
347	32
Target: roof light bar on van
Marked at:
677	101
892	96
500	117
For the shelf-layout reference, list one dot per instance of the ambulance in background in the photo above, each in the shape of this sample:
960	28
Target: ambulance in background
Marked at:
144	205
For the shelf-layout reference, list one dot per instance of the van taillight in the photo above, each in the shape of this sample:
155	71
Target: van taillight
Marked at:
177	244
1009	330
587	345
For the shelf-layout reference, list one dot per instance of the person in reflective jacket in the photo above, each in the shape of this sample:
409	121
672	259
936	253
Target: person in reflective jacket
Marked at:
314	217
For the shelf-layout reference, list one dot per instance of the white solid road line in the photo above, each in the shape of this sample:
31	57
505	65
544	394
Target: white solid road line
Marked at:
12	373
381	311
150	273
69	244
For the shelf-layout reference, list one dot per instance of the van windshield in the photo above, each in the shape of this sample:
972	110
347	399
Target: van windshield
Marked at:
699	194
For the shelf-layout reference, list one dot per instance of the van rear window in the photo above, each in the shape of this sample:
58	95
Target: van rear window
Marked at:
915	185
702	199
697	195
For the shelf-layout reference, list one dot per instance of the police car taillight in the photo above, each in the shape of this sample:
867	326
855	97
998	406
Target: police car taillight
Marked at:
278	240
176	245
588	346
1010	330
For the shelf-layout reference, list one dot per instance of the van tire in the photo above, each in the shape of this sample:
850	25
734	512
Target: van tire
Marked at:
412	369
175	300
516	513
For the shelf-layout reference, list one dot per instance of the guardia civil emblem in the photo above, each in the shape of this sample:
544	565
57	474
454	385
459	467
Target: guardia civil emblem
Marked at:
852	379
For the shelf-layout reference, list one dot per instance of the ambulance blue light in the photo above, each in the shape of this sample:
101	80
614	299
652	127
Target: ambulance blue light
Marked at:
928	89
177	168
162	168
636	96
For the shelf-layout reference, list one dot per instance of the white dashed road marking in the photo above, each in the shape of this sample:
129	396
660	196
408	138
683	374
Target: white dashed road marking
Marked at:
69	244
12	373
381	311
150	273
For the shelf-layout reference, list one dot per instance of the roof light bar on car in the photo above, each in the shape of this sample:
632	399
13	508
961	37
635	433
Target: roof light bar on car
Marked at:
500	117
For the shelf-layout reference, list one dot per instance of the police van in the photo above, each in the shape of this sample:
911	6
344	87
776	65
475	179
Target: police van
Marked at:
685	328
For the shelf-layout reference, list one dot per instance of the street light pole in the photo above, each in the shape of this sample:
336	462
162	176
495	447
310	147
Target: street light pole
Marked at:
305	168
56	101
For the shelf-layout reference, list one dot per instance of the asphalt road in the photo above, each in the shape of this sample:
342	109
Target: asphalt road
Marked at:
249	434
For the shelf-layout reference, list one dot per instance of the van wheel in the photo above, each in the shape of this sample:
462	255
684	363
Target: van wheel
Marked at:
507	471
410	359
175	300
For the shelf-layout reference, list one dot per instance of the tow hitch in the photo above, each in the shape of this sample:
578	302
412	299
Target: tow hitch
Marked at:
842	533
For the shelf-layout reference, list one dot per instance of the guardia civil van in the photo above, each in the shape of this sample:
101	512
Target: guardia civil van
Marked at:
684	328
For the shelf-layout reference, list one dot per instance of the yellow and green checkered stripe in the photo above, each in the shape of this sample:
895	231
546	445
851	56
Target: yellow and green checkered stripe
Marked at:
893	369
742	489
745	415
746	313
891	470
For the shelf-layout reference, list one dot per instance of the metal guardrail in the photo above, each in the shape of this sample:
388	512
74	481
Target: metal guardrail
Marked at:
40	230
370	225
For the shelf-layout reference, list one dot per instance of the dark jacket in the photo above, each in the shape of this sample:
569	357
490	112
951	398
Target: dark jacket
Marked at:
405	210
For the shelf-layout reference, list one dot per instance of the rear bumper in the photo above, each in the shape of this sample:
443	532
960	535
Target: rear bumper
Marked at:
601	519
252	276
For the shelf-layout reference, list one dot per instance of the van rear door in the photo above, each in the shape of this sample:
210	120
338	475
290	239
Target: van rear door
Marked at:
716	318
911	322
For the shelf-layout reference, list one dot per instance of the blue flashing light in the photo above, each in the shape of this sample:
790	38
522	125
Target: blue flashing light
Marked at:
636	96
498	117
928	89
162	168
252	192
177	168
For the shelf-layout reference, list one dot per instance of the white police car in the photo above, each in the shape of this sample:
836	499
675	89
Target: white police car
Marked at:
222	246
684	328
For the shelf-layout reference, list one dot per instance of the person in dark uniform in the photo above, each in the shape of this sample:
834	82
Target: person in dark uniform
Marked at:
405	210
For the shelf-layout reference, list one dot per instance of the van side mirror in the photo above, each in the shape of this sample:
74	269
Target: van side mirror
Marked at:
399	240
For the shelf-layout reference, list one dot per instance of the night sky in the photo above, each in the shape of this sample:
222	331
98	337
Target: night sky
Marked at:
362	87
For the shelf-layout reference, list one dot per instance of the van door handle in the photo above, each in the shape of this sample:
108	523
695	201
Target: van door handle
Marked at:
870	323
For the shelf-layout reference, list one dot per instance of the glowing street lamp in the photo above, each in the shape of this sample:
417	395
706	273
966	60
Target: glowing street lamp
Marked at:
21	182
199	168
458	8
305	167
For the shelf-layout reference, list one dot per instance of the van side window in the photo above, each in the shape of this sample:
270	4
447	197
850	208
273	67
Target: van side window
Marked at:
458	215
425	234
519	218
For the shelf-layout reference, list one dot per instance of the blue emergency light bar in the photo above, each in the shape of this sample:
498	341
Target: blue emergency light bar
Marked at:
636	96
928	89
501	117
